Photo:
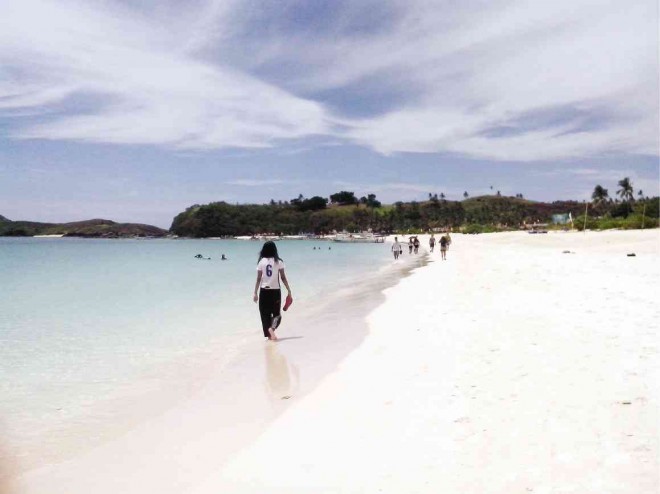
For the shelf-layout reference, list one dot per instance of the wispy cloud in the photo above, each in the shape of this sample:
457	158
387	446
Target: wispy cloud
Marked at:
150	89
498	80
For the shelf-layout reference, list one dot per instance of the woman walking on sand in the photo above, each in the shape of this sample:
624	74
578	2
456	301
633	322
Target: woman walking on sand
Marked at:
396	248
443	247
432	242
267	288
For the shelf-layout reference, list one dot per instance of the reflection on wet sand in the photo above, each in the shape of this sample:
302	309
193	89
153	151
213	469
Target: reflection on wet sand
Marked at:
282	378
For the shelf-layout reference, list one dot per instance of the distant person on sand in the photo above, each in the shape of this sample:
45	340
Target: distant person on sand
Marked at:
448	240
443	247
267	288
432	242
416	245
396	248
224	258
410	245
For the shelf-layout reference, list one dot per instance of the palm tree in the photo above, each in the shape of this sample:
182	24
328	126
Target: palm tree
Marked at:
599	194
640	194
626	190
442	196
465	194
626	193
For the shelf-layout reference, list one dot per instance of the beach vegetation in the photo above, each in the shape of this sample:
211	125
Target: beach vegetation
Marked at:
599	195
479	214
343	197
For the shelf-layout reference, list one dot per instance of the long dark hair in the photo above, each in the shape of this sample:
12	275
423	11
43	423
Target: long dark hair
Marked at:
269	250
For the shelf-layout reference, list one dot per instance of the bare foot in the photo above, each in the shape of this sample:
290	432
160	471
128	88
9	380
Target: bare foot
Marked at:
272	334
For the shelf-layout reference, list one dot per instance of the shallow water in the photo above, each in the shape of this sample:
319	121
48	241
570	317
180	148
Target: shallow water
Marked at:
85	321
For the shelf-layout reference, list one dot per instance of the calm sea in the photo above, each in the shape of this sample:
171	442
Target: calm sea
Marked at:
81	319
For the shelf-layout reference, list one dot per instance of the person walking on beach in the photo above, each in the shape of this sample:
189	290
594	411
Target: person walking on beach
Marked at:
443	247
396	248
267	292
448	240
416	245
432	242
410	245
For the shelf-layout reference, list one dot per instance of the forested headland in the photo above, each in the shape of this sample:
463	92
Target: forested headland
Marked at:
97	228
343	211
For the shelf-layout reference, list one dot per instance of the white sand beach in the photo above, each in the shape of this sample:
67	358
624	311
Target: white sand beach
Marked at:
512	367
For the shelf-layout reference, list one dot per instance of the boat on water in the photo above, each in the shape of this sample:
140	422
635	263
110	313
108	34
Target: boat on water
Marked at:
59	235
365	238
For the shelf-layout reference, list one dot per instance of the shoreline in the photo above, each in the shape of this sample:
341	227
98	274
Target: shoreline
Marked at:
247	391
453	388
472	393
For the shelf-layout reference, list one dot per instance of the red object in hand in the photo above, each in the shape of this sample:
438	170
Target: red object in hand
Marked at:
288	302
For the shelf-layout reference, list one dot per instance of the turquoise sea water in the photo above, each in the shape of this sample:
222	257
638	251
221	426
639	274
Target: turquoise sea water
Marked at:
81	319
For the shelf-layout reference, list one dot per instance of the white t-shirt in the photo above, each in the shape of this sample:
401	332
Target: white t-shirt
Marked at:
270	272
396	246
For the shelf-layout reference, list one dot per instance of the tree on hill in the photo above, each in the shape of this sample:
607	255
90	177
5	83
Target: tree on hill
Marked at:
465	194
599	195
372	202
315	203
344	197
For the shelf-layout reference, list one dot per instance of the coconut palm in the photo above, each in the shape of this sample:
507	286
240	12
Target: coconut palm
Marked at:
626	190
465	194
599	194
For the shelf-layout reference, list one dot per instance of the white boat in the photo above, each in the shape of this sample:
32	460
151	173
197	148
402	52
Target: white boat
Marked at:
364	238
59	235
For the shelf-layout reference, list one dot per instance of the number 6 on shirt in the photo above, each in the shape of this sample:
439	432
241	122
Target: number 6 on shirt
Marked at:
269	270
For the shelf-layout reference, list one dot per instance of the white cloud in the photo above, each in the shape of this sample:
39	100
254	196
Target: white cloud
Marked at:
149	90
511	59
464	70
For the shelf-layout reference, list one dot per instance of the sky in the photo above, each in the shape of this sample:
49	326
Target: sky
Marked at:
134	110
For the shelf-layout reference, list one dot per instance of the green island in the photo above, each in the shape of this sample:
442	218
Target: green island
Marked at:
96	228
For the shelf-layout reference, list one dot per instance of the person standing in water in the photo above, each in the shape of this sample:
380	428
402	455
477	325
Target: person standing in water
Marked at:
396	248
410	245
432	242
267	292
416	245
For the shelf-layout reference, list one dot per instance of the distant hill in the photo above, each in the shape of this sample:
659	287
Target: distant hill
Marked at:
96	228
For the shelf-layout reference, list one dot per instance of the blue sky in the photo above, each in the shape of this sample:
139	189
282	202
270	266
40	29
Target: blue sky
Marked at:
133	111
